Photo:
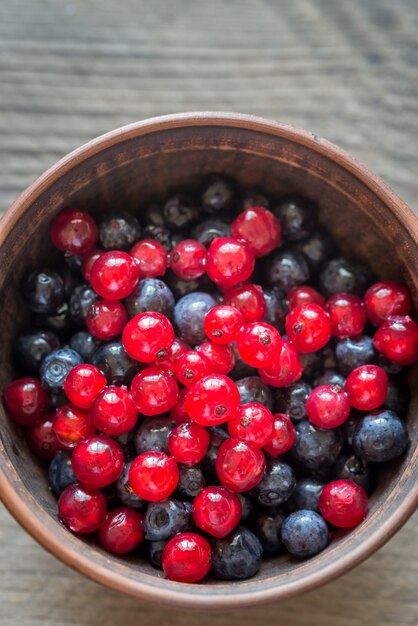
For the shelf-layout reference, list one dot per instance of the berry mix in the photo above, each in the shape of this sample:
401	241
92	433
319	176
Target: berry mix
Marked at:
212	389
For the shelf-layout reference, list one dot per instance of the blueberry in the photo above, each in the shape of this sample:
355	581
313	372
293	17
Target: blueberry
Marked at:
191	481
248	508
389	366
124	491
285	269
352	467
55	367
31	347
344	275
81	299
267	528
276	308
180	212
297	216
208	463
218	195
208	230
84	343
160	234
189	313
330	377
304	533
353	352
292	400
152	215
397	397
181	287
241	369
167	518
253	389
73	262
306	494
312	363
381	437
316	447
151	294
58	321
60	473
277	484
318	249
71	278
237	556
155	553
119	231
152	434
253	197
350	425
43	291
115	363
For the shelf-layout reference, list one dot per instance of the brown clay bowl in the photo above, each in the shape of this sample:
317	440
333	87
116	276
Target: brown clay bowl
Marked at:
132	165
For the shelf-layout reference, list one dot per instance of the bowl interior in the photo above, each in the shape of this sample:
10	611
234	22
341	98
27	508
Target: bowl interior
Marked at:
146	164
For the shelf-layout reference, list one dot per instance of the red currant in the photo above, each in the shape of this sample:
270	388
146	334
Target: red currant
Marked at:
212	400
188	259
83	384
249	299
188	443
283	436
114	412
347	315
229	261
253	424
259	229
191	366
258	344
304	294
178	413
178	348
153	476
114	275
186	558
217	511
88	260
24	399
308	327
223	323
71	425
74	232
397	340
121	532
221	358
385	299
97	461
328	406
154	391
151	258
148	336
286	369
41	437
239	465
106	319
82	509
343	503
367	387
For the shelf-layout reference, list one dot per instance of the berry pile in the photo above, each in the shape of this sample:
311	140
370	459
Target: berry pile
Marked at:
212	389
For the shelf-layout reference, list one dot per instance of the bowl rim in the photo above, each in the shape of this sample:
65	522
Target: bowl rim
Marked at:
185	595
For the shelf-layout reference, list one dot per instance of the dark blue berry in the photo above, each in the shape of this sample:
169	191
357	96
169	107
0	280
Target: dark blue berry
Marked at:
115	363
352	467
84	343
180	213
81	299
119	231
241	369
151	294
306	494
353	352
73	263
277	484
312	363
248	509
276	308
155	553
253	389
124	491
189	313
218	195
344	275
397	397
191	481
217	436
285	269
208	230
267	528
152	434
58	322
292	400
317	249
181	287
60	473
388	366
167	518
330	377
43	291
152	215
380	438
252	198
237	556
160	234
71	277
297	216
304	533
55	367
350	425
31	347
316	447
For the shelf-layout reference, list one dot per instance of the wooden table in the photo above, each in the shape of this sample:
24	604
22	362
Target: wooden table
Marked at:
72	70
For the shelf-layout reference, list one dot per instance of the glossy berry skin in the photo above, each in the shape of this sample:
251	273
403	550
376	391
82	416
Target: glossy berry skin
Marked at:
190	367
248	299
397	340
223	323
385	299
41	437
85	344
276	308
259	229
55	368
31	347
150	294
151	258
229	262
304	533
277	483
314	447
344	276
367	387
188	259
308	327
188	443
71	425
83	384
180	213
186	558
191	481
291	400
258	344
253	389
352	467
217	511
154	391
189	315
239	466
306	494
73	232
218	195
343	503
162	520
328	406
124	491
297	216
317	249
380	437
208	230
221	358
287	368
253	424
285	269
353	352
82	509
80	301
237	556
115	363
106	319
88	260
97	461
153	476
282	437
114	411
304	294
122	531
148	336
212	400
43	291
178	413
24	399
152	434
155	553
267	528
60	473
347	315
114	275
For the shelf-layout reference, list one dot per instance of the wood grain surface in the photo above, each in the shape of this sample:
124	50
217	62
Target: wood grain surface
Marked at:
72	70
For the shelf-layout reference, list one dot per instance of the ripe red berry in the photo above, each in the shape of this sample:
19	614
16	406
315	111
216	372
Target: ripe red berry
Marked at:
186	558
285	370
229	261
304	294
121	532
178	413
114	412
239	465
106	319
347	315
188	259
188	443
397	340
259	229
82	509
253	424
153	476
223	323
221	358
24	399
71	425
41	437
249	299
114	275
74	232
178	347
212	400
151	258
328	406
308	327
343	503
367	387
258	344
154	391
97	461
148	336
217	511
190	367
88	260
283	436
83	384
385	299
